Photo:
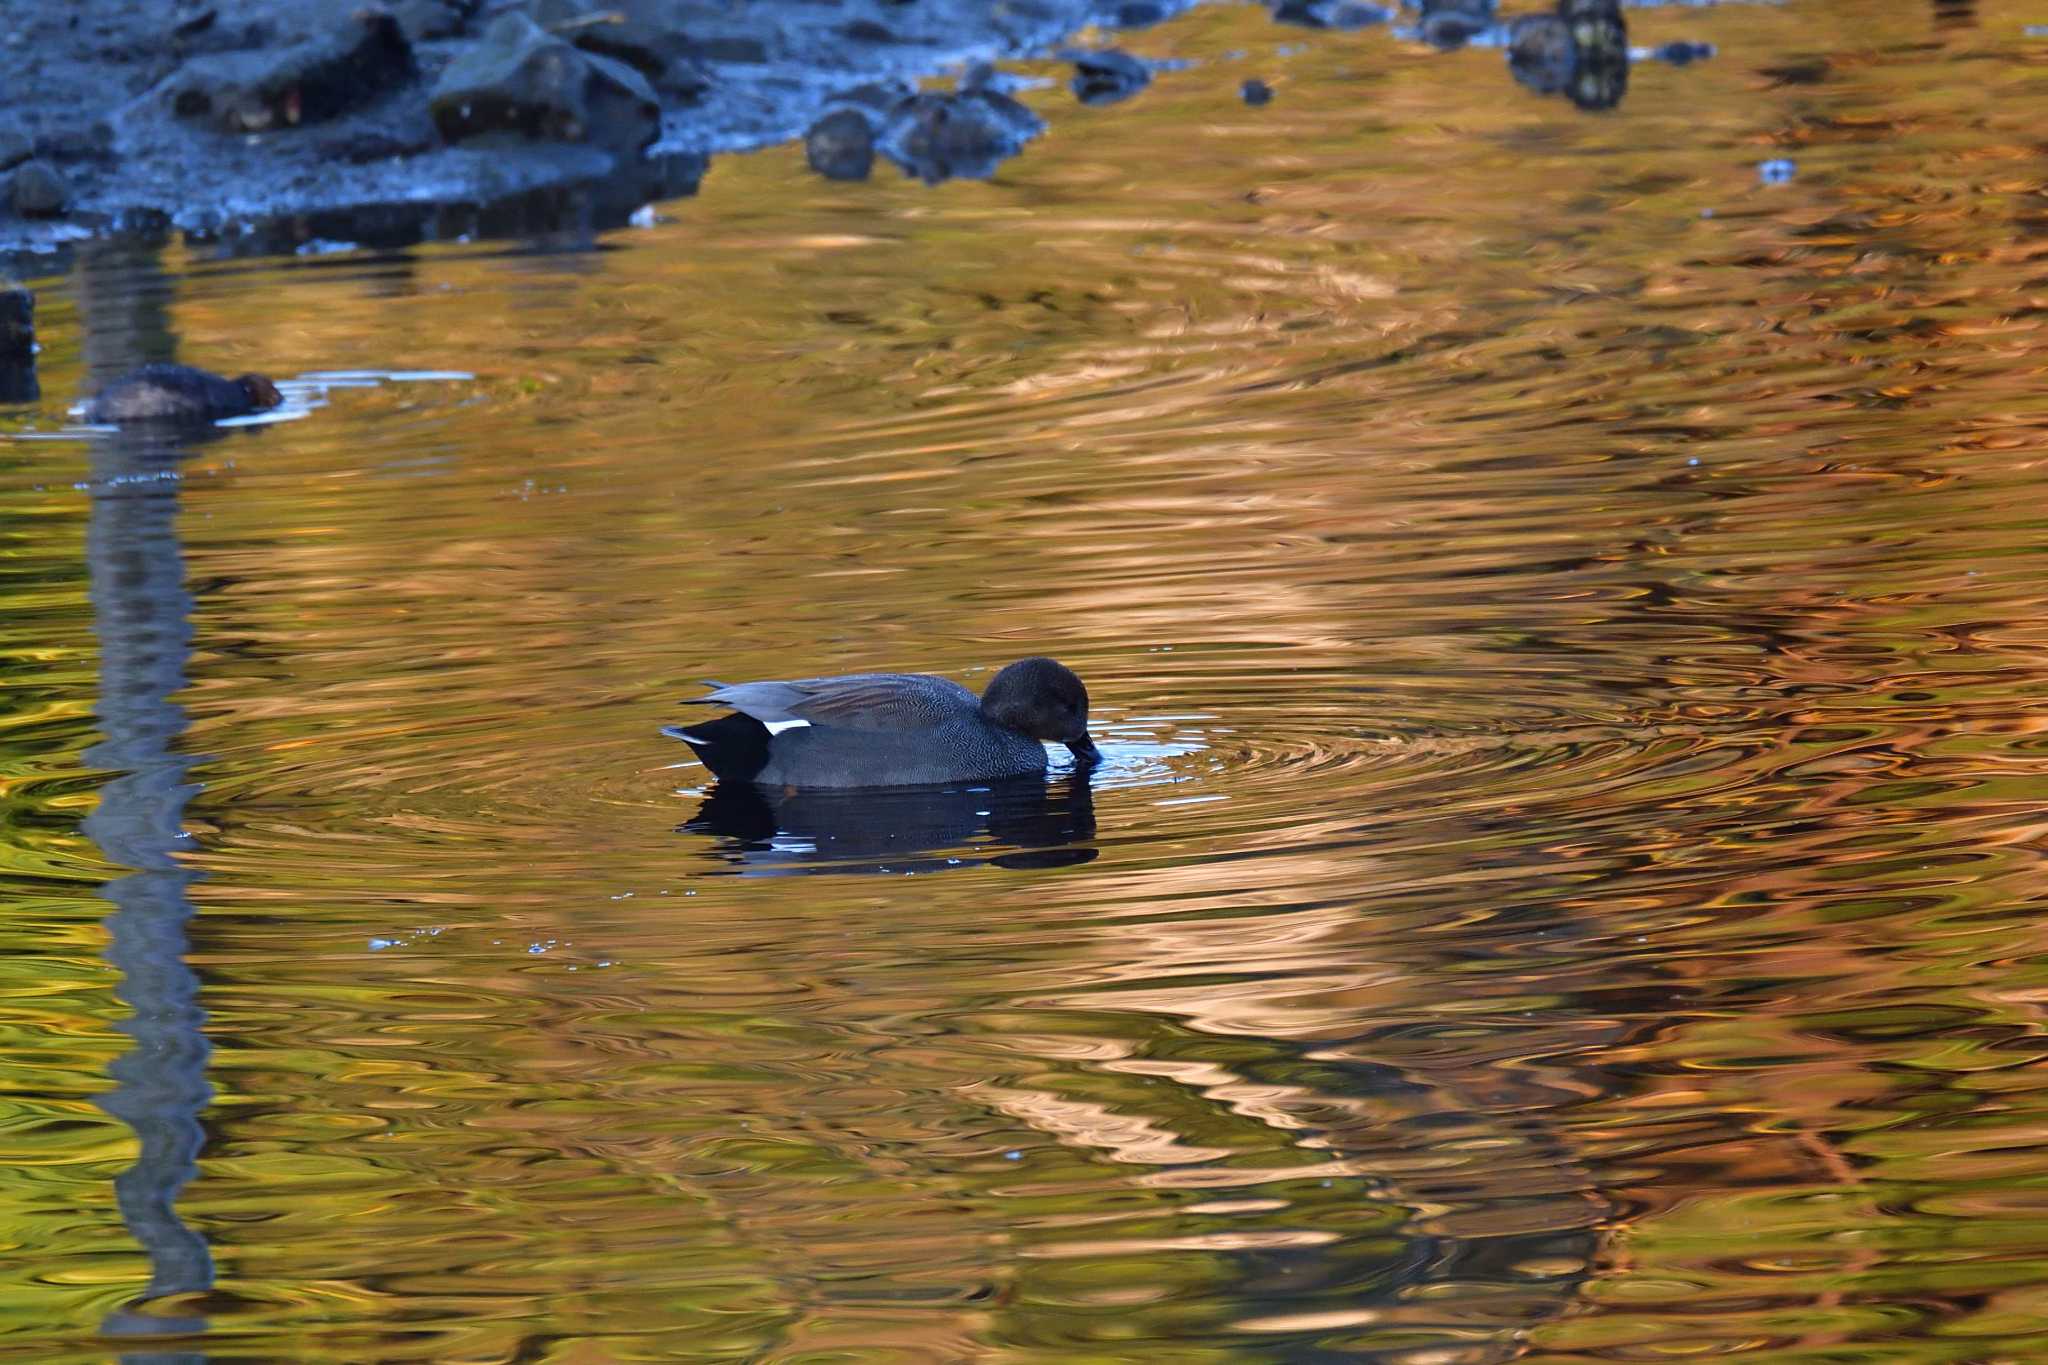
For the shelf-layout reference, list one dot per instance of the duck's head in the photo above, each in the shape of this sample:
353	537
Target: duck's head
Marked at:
1042	698
263	394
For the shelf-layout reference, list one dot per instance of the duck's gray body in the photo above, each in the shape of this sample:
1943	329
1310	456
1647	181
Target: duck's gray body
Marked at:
164	392
887	729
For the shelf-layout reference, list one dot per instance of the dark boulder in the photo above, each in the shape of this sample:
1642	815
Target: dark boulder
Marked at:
522	80
36	190
363	57
841	145
964	135
1256	92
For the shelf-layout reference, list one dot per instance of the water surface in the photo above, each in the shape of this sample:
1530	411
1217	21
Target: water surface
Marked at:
1563	614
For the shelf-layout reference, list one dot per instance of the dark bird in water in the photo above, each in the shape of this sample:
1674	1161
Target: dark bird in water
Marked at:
892	729
179	393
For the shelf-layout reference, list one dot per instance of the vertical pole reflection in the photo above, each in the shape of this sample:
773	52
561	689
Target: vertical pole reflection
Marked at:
142	615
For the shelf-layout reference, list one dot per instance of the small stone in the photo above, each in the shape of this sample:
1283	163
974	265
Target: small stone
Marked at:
1107	76
1256	92
841	146
37	190
1449	30
1683	53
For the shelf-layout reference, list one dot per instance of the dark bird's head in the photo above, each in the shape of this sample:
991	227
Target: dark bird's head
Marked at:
263	394
1043	699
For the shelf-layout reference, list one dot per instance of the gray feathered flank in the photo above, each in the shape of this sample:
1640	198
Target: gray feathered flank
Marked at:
852	701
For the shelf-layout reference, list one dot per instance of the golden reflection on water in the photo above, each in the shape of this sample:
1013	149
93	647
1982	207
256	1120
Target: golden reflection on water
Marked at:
1563	616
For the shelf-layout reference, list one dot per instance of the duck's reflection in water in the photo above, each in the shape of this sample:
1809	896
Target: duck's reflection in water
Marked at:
1026	822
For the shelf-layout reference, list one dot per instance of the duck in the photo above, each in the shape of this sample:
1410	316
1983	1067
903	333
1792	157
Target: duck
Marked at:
892	729
180	393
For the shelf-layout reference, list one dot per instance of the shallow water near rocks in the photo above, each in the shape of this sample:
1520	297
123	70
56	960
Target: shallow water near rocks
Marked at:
1563	616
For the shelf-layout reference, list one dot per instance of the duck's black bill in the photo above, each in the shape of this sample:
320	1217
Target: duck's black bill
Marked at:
1084	750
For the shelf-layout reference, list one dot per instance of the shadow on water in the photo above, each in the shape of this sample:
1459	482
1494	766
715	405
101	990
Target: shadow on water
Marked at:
1025	823
142	616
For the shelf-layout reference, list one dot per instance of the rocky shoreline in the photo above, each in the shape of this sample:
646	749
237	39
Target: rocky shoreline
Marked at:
268	125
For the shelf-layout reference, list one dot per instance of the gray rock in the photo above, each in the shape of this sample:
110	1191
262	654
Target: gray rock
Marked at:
751	51
841	146
559	17
643	36
521	79
359	60
36	190
76	142
427	19
878	96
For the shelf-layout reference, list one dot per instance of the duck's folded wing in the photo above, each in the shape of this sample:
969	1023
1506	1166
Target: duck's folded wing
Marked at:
854	701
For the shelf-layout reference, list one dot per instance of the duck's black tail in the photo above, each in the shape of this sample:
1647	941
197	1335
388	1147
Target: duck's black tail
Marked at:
734	747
